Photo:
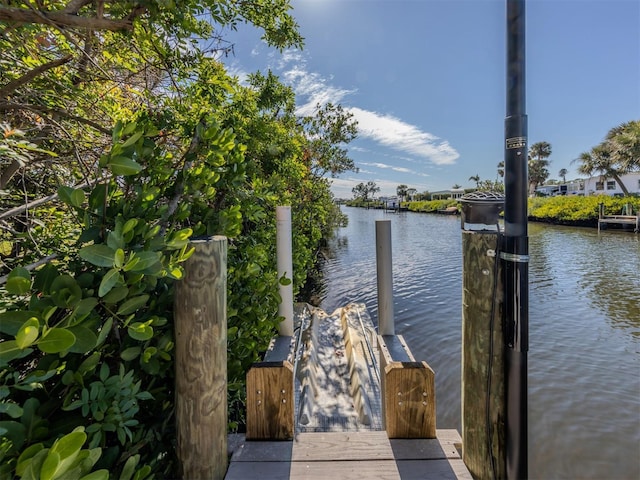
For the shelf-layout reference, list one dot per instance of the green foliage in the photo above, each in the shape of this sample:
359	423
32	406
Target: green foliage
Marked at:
578	209
431	206
155	144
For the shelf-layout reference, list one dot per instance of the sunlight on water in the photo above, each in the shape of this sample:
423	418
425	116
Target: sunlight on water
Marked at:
584	358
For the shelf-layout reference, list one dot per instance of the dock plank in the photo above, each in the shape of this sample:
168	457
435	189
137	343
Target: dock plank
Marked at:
433	470
348	455
341	446
346	470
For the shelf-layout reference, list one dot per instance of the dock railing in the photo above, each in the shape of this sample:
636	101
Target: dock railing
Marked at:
626	218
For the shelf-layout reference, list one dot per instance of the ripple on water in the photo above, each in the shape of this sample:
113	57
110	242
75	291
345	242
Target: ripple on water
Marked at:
584	357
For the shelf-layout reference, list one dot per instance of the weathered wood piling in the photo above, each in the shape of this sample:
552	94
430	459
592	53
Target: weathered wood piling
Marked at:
200	312
483	377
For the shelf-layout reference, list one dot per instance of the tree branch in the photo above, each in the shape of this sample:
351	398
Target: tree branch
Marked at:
74	6
32	266
4	106
22	208
60	19
7	89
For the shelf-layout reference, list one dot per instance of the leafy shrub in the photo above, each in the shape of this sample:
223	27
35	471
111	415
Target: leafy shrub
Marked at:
431	206
578	209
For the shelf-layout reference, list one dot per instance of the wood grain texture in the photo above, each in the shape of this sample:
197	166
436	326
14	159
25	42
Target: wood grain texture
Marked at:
346	470
349	455
270	401
408	392
479	278
200	313
343	446
410	400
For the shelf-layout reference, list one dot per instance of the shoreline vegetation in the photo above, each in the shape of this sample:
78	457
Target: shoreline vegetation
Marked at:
579	211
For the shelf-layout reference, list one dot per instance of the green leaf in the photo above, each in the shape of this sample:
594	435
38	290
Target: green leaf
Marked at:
65	291
146	260
62	455
98	196
9	350
69	446
119	260
124	166
11	409
115	295
129	467
33	466
16	432
64	194
86	305
130	353
26	456
104	372
100	255
129	225
28	333
77	197
97	475
44	278
128	128
108	282
11	322
89	363
18	281
104	331
50	466
85	340
140	331
115	240
132	304
179	239
132	139
56	340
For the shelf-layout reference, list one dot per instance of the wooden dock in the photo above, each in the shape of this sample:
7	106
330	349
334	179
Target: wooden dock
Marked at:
631	220
324	404
347	455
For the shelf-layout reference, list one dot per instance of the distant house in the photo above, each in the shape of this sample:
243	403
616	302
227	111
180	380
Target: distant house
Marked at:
447	194
598	185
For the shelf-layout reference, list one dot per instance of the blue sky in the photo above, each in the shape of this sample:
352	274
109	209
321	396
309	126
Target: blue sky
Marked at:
426	81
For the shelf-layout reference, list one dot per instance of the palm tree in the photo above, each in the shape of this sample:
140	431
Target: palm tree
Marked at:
476	178
455	186
401	191
624	141
538	163
563	173
618	154
599	160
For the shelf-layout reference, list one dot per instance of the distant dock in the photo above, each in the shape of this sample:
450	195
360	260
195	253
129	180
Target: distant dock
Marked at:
627	219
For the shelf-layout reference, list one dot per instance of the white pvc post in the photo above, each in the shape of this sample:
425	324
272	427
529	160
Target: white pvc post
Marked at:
285	268
386	324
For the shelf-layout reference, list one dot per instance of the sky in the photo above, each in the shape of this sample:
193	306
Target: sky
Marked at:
425	79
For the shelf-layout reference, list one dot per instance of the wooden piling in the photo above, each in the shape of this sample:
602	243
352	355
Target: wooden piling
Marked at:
482	300
270	396
200	313
408	391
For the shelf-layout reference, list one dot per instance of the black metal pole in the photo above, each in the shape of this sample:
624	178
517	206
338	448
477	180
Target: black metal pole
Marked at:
515	248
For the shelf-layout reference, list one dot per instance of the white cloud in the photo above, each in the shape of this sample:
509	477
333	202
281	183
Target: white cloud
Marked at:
312	89
394	133
392	167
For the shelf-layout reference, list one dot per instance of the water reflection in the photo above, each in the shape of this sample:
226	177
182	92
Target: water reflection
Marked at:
603	269
584	359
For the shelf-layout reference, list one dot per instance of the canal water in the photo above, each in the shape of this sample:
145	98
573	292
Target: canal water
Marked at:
584	357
